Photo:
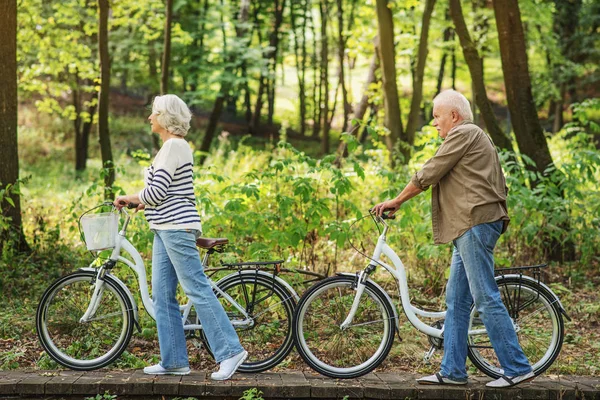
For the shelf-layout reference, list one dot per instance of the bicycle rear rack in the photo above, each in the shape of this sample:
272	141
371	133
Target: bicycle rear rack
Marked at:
513	303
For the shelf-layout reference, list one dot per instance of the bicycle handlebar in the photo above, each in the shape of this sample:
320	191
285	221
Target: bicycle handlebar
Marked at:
384	215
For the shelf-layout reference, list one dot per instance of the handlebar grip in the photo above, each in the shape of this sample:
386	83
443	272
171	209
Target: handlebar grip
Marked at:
386	216
128	205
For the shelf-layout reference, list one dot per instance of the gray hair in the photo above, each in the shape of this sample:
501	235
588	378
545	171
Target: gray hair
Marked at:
455	101
172	114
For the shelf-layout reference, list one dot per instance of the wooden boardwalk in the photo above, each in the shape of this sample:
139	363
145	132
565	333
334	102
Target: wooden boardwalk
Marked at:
71	385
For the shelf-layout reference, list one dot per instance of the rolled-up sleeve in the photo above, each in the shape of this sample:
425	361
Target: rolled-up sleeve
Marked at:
450	152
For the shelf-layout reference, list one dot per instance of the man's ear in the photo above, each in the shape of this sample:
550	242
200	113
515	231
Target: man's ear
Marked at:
455	116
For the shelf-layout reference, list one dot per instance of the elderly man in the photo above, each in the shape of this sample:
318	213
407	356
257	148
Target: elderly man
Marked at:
468	209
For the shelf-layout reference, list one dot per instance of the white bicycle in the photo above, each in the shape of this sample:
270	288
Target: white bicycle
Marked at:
344	325
85	320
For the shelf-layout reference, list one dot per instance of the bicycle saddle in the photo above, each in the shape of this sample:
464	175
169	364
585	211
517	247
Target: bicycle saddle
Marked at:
209	243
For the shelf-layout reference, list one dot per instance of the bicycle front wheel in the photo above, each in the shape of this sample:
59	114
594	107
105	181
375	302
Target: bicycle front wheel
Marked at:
350	352
537	320
84	345
267	332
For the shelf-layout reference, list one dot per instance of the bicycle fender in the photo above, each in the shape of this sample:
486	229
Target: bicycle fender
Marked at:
385	294
264	274
120	283
535	281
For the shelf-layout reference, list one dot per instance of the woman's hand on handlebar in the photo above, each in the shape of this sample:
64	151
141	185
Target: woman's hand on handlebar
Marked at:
129	201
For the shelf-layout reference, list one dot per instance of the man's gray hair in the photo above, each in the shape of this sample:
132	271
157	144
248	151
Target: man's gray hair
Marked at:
456	101
172	114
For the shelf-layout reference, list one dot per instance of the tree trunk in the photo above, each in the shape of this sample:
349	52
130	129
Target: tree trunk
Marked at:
448	35
341	56
566	20
387	55
525	122
476	69
166	58
558	111
300	45
417	96
524	118
317	89
215	115
103	100
360	109
9	162
269	80
83	128
323	8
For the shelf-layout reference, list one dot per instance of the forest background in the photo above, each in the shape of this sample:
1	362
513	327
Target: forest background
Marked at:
306	113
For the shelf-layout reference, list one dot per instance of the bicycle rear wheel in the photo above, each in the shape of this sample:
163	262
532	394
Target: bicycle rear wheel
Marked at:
538	323
351	352
270	306
89	345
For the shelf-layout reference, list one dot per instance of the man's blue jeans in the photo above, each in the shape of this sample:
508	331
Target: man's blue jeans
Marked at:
175	257
472	279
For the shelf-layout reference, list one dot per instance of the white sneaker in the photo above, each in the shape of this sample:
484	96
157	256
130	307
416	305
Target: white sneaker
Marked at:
508	381
228	367
159	370
438	379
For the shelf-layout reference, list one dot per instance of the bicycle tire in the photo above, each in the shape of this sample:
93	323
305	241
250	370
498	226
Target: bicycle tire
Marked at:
267	343
375	306
70	342
483	357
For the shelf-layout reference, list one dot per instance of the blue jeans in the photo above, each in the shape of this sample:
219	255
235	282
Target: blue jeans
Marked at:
175	257
472	279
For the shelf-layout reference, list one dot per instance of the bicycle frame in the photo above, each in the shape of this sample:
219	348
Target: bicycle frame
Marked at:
137	265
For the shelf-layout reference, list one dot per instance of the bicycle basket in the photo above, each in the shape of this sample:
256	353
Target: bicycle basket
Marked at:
100	230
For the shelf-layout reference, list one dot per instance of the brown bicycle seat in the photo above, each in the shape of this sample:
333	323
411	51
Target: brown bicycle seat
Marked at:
209	243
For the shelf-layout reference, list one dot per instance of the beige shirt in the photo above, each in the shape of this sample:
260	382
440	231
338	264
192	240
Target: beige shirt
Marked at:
468	183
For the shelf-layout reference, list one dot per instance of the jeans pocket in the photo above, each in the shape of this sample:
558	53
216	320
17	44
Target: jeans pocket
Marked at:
195	232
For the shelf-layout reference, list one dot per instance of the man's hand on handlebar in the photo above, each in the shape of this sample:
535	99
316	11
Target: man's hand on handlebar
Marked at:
390	207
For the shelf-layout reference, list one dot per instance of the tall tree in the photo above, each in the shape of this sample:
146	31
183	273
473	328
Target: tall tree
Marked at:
324	10
9	162
360	109
448	36
341	57
103	99
230	57
300	54
566	21
475	64
387	55
524	117
267	81
166	58
417	95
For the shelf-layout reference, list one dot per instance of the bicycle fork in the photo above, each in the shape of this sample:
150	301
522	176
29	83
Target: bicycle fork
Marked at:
96	297
360	288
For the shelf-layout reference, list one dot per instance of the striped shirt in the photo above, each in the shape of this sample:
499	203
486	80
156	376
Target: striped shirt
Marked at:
169	188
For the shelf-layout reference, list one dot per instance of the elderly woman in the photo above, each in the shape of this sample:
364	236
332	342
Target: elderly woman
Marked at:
169	203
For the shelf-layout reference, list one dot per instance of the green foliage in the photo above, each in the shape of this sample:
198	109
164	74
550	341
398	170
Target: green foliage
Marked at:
105	396
252	394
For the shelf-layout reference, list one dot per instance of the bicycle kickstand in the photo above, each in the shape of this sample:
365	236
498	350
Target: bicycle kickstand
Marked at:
429	354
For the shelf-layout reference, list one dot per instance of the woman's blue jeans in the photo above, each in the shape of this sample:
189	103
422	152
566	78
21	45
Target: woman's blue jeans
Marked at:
472	279
175	258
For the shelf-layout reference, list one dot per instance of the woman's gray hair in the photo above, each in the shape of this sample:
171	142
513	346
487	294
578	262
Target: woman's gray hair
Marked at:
456	101
172	114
